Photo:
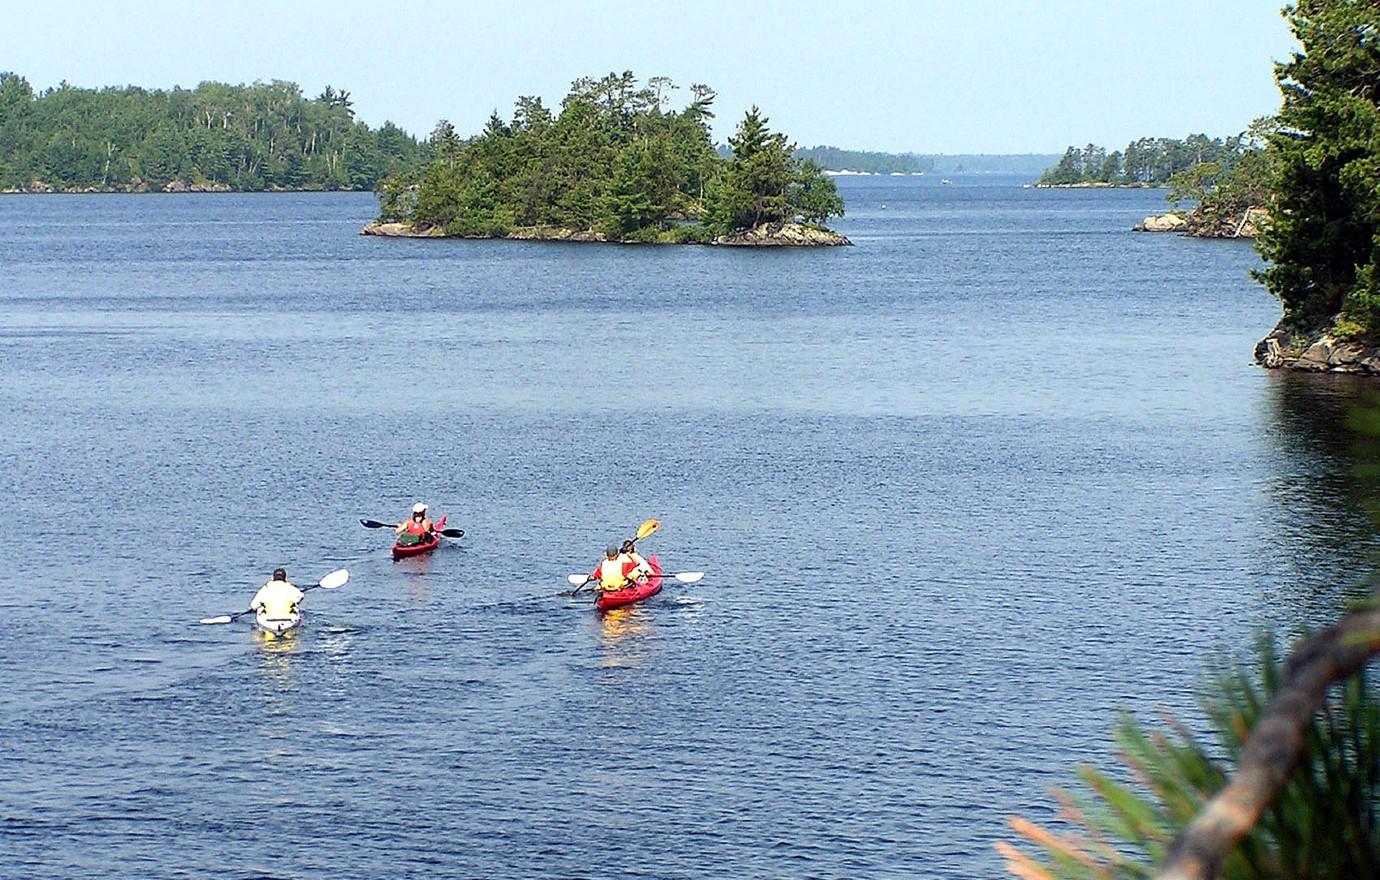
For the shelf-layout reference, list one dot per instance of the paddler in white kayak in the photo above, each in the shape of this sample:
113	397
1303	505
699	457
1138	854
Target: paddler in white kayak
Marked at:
275	605
416	529
615	572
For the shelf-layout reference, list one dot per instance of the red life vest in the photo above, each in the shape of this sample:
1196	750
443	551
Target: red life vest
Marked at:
415	527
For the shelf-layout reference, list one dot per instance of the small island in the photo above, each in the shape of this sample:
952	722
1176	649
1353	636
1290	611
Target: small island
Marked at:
615	165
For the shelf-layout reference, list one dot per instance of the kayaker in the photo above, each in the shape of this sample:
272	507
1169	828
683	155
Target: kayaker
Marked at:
628	552
614	572
278	597
416	528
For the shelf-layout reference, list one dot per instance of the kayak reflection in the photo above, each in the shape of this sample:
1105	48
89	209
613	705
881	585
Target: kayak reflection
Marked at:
277	643
275	655
624	633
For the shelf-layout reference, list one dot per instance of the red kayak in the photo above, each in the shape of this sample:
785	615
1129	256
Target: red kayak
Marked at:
402	551
635	593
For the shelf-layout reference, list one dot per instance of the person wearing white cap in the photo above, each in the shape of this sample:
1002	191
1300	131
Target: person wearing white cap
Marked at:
415	529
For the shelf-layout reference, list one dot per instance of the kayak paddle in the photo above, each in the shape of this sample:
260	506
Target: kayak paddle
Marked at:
580	580
685	577
645	530
332	581
445	533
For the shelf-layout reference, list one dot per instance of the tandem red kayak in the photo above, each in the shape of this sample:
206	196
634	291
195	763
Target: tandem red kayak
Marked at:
402	551
636	593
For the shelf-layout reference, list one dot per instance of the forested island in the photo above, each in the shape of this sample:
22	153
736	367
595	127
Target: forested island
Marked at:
615	164
864	161
1223	181
216	137
1145	161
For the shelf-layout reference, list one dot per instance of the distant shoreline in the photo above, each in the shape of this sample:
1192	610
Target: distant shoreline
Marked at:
172	188
1094	184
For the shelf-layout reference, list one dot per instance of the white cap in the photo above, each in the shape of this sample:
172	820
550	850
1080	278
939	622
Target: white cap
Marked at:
419	507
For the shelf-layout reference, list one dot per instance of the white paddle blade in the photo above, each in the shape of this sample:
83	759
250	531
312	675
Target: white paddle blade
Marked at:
335	579
689	577
224	618
576	580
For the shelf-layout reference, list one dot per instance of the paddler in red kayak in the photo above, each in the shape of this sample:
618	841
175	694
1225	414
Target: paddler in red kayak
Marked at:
628	553
416	528
615	572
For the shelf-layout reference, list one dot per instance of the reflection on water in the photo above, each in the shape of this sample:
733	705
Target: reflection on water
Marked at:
1325	507
624	634
275	653
1312	411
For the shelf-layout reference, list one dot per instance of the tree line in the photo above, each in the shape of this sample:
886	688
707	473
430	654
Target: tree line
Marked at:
1147	161
838	159
242	137
615	160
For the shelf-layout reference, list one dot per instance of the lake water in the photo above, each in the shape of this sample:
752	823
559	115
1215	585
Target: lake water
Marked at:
962	492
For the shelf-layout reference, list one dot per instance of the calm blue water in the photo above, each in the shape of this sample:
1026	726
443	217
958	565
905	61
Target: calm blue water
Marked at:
962	491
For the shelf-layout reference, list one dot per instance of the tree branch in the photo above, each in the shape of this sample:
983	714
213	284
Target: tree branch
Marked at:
1275	746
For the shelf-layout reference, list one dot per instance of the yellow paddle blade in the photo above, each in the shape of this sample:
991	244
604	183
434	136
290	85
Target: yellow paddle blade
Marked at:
647	528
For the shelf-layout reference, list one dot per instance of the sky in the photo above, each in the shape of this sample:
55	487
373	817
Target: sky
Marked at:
962	76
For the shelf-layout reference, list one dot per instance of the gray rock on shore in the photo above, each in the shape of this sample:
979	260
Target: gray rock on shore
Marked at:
1171	222
402	230
783	235
1318	352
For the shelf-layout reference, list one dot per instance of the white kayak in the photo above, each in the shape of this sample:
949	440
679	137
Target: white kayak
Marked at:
278	624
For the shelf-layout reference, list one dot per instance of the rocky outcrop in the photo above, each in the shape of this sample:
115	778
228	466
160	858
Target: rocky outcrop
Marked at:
402	230
1171	222
181	186
551	233
783	235
766	235
1316	352
1247	224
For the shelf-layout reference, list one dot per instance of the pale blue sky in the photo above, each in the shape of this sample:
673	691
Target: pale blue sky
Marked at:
994	76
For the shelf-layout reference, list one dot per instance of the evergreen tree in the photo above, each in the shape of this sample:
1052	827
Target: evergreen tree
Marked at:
1323	241
753	190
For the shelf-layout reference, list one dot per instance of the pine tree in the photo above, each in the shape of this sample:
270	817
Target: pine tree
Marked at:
1323	240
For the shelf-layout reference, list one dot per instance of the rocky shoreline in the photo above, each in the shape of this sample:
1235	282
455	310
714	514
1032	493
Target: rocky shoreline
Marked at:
1319	351
766	235
1188	223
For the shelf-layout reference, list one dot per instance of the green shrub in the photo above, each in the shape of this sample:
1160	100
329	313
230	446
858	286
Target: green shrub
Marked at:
1326	823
